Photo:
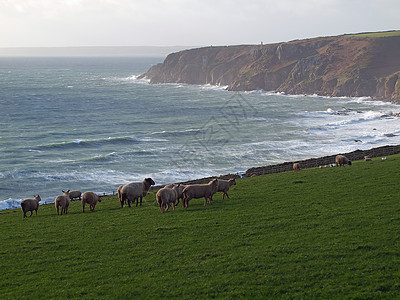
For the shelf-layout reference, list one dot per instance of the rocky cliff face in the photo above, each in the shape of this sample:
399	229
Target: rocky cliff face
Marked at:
331	66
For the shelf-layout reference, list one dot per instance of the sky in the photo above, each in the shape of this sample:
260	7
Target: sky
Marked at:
77	23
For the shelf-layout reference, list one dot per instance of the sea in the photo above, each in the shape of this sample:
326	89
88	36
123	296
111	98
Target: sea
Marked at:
89	124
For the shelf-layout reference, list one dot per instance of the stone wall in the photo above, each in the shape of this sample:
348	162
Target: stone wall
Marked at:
322	161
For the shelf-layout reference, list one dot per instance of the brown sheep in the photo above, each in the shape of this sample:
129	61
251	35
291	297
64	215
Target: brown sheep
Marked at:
133	191
341	160
296	166
91	199
30	205
180	189
224	186
199	191
63	202
167	196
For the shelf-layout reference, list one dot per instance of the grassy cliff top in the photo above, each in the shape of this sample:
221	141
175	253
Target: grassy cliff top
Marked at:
317	233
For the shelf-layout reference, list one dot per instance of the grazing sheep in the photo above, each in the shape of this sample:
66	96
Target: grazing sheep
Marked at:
181	187
200	191
91	199
224	186
367	158
341	160
30	205
133	191
296	166
75	195
167	196
63	201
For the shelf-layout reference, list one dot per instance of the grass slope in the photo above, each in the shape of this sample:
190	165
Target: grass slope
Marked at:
378	34
325	233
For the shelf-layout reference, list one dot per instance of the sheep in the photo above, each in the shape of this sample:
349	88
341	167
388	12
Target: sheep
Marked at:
180	189
224	186
341	160
133	191
30	205
166	196
75	195
63	201
199	191
367	158
91	199
296	166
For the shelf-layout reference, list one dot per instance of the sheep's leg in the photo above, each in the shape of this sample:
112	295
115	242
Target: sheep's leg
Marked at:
173	206
31	213
205	201
141	200
167	205
83	207
129	202
210	200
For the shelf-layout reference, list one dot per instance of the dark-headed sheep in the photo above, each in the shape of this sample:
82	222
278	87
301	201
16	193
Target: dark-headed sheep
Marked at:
199	191
30	205
224	186
75	195
296	166
91	199
167	196
133	191
342	160
63	202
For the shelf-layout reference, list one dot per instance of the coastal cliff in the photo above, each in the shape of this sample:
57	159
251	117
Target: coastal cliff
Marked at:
348	65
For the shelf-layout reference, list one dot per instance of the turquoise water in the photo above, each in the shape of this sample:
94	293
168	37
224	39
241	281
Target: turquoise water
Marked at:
90	124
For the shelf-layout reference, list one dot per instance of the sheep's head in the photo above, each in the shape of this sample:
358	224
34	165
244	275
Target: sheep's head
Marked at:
232	181
66	193
37	198
150	181
349	163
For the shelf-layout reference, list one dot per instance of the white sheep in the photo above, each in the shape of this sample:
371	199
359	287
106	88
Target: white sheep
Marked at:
167	196
341	160
367	158
133	191
30	205
63	202
91	199
296	166
199	191
224	186
75	195
180	189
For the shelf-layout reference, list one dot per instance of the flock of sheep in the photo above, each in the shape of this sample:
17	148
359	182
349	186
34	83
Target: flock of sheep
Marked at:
167	196
132	192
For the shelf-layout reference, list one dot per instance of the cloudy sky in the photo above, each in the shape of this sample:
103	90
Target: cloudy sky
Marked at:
66	23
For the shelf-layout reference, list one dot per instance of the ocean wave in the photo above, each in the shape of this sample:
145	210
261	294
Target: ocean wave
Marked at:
96	142
131	79
176	133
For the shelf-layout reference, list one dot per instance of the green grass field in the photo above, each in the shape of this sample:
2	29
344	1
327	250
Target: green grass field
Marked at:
317	233
378	34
